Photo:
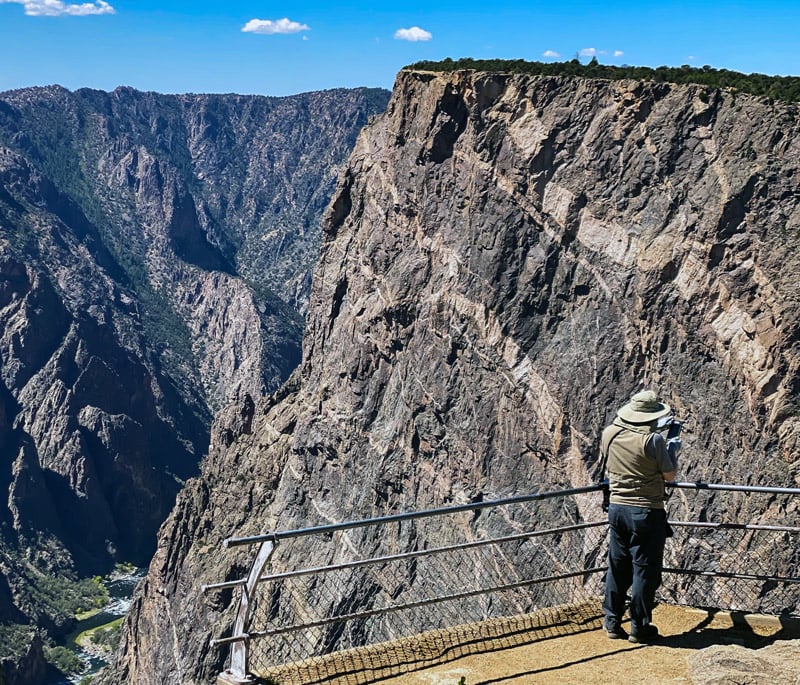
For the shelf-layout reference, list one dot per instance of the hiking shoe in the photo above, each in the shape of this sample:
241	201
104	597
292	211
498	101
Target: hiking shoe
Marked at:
616	633
645	634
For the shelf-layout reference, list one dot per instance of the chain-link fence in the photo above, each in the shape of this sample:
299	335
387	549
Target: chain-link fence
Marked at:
735	548
379	599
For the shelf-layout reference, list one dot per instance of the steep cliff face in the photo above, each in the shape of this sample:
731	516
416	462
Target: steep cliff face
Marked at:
505	260
31	667
155	254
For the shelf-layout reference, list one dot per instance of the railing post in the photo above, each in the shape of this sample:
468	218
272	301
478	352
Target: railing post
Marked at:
238	673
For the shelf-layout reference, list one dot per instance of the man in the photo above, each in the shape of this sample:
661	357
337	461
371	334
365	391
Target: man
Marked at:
639	459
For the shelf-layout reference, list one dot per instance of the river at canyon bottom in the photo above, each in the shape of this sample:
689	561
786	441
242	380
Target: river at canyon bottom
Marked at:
120	588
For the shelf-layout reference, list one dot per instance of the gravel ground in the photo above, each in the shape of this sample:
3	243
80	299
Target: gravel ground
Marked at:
567	646
589	657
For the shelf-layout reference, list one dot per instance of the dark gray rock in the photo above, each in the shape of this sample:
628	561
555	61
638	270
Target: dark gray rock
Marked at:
506	259
155	253
30	669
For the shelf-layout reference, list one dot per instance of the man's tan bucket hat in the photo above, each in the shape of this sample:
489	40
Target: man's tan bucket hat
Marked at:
643	407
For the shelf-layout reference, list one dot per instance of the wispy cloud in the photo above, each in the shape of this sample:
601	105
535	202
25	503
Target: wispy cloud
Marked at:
56	8
594	52
551	53
414	34
269	27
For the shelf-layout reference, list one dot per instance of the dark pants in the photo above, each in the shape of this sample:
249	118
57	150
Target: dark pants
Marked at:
635	558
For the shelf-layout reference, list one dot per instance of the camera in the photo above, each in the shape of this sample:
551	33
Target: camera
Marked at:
674	428
606	495
671	425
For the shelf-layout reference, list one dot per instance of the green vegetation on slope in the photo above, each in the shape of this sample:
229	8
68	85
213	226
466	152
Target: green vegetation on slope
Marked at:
64	660
15	639
54	598
777	87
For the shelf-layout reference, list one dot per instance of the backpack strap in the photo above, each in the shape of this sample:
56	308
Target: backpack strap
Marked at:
605	451
603	477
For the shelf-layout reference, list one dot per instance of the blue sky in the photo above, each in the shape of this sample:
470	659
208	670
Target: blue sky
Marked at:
280	48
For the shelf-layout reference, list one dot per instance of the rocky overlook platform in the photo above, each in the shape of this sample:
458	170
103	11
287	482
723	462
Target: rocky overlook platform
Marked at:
697	648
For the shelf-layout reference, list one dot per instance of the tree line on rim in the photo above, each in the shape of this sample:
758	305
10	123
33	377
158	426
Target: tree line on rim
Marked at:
786	88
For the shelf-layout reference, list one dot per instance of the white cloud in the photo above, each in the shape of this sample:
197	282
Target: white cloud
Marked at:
269	27
589	52
618	53
57	8
551	53
414	34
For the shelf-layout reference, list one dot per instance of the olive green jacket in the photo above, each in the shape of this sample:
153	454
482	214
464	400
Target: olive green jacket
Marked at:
637	459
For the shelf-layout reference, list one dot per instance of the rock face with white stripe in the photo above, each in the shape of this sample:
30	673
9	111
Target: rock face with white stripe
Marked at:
506	259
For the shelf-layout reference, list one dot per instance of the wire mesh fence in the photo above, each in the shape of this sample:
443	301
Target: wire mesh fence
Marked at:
384	599
745	558
381	600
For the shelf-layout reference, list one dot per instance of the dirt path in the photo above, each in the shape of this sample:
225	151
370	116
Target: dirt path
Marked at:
590	658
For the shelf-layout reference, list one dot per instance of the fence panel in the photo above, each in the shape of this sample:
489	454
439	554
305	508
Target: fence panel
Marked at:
384	603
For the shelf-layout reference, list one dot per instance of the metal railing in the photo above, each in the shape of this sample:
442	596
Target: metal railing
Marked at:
750	563
385	602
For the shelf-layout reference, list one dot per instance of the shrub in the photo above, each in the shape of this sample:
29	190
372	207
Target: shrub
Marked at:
64	660
15	639
108	636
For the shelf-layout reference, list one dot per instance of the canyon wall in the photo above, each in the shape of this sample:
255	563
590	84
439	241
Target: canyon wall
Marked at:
155	258
505	260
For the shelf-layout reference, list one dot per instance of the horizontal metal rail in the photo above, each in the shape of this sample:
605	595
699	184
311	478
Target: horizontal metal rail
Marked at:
400	607
480	543
735	526
433	550
734	488
426	602
410	555
731	575
407	516
217	641
223	586
476	506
